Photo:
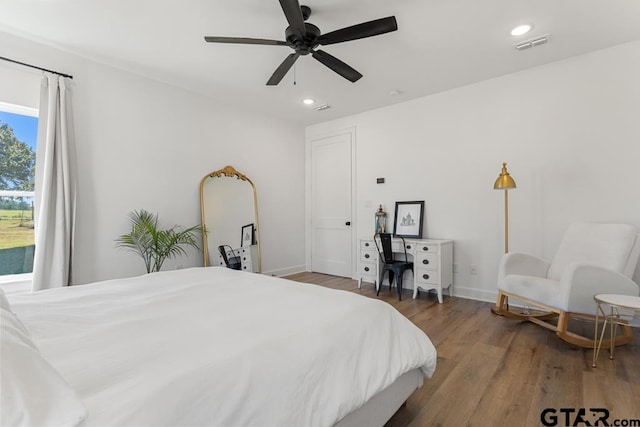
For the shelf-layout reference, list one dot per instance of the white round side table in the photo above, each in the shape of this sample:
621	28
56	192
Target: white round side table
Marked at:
630	316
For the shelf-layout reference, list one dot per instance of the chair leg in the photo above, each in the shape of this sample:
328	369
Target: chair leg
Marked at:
587	342
561	328
380	285
501	304
399	286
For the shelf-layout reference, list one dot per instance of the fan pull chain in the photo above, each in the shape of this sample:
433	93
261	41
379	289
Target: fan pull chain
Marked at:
294	74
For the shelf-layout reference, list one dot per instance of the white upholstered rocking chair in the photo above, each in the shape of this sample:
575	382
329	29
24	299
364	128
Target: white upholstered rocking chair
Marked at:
592	258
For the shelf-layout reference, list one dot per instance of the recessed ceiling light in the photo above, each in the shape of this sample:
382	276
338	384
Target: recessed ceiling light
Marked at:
308	101
521	29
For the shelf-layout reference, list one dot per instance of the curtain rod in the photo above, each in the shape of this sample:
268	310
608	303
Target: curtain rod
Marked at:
36	67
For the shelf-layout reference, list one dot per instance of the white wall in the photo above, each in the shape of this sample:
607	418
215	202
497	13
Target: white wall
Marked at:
570	132
145	145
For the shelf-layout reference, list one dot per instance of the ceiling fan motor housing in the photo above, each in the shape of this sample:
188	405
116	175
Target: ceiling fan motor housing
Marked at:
306	44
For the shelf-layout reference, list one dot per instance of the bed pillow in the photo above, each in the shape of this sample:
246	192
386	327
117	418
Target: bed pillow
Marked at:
4	303
32	392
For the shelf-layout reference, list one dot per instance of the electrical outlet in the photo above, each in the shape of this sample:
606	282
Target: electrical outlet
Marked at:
473	269
455	267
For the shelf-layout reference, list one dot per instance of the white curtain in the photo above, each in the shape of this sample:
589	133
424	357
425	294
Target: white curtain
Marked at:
55	186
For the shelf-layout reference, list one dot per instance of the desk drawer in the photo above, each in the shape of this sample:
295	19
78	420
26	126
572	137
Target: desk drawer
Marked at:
427	248
396	246
367	269
368	256
426	261
428	276
367	245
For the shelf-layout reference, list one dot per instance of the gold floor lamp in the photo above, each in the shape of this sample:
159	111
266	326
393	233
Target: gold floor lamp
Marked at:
505	182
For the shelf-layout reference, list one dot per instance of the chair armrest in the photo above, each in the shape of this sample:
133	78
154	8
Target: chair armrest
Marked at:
523	264
582	281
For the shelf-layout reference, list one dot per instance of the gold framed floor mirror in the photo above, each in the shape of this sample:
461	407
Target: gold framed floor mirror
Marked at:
229	217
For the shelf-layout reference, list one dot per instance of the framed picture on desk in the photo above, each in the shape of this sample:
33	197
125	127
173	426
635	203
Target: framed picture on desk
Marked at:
408	219
248	235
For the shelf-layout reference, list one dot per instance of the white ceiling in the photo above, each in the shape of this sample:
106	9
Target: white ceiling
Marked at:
439	45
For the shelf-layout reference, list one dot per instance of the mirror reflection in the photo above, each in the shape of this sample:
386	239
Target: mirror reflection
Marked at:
229	210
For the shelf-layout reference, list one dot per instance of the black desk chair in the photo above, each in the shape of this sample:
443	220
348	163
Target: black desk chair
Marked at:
394	267
232	262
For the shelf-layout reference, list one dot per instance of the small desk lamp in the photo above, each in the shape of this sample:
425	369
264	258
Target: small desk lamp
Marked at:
505	182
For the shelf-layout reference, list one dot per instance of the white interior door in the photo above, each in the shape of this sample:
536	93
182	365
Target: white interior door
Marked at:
331	204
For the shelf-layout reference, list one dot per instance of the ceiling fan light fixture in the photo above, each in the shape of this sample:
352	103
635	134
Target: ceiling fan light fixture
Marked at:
521	30
308	101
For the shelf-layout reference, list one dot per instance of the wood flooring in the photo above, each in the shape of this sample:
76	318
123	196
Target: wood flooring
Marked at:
494	371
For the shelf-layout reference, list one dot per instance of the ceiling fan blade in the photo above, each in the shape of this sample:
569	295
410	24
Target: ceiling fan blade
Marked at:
283	69
360	31
243	40
293	13
336	65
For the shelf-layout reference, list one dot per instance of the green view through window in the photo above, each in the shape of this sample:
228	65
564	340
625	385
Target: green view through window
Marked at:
18	136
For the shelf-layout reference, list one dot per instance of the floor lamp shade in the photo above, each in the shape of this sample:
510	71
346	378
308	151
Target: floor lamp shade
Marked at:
505	182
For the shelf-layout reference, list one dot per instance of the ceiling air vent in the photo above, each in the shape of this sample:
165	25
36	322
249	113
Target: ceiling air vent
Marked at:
538	41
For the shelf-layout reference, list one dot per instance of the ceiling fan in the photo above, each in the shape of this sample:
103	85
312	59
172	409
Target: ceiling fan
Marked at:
304	38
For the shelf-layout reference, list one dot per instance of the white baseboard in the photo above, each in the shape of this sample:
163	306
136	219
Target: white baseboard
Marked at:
286	271
458	291
475	294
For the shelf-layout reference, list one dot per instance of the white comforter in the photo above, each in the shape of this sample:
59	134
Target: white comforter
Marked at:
221	347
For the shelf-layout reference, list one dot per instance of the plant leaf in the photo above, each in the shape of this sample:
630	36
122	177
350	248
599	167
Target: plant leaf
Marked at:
155	245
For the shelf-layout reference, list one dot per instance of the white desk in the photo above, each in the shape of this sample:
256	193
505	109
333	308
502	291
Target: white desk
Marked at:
432	263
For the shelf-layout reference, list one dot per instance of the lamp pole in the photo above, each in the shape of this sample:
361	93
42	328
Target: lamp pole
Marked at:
505	182
506	221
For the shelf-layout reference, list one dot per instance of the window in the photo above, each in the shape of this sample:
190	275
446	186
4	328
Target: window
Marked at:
18	136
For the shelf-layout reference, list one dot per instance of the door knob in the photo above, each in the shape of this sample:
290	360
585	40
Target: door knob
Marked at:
347	223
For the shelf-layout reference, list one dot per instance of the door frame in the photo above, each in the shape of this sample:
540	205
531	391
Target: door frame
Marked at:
309	139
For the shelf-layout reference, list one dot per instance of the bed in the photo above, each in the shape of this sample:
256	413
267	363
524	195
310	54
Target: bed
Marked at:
206	347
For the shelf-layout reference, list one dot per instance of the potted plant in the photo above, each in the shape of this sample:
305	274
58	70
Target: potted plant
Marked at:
153	244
